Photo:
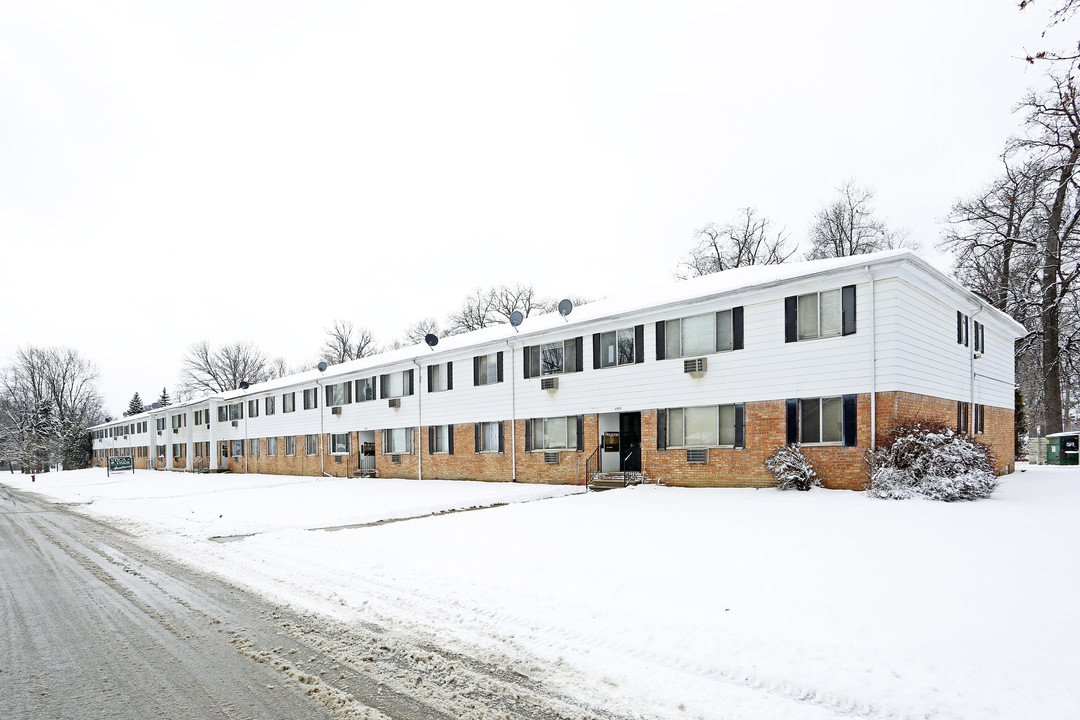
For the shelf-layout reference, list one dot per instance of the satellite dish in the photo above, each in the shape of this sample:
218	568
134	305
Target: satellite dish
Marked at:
322	366
244	385
565	308
431	340
516	317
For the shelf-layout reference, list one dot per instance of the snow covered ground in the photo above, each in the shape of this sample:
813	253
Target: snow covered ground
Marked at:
669	602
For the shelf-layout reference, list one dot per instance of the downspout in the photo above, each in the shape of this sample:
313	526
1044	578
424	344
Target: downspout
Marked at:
873	364
513	415
320	399
419	421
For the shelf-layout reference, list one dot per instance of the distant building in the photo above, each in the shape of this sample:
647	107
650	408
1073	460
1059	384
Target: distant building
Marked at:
695	383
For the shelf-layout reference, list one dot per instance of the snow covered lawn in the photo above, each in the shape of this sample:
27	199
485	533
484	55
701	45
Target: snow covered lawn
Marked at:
668	602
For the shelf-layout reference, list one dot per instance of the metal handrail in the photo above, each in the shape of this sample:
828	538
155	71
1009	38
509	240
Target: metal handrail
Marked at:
592	466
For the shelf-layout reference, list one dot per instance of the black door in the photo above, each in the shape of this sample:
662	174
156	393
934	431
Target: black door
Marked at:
630	442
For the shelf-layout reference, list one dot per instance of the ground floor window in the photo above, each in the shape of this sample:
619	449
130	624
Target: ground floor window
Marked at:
821	420
161	451
311	445
271	446
253	447
177	452
441	439
290	445
340	444
555	433
237	448
489	437
398	441
707	426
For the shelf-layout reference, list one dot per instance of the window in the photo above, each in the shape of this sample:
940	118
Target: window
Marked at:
488	369
396	384
829	313
962	417
161	450
441	439
554	433
365	389
311	445
202	417
440	377
821	420
253	408
554	358
290	445
708	426
177	451
269	403
980	419
288	402
253	447
340	444
616	348
237	448
271	447
339	394
398	441
234	411
978	330
489	437
198	450
160	422
961	328
222	413
696	335
311	398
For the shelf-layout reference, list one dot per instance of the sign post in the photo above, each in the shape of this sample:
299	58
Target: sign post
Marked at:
120	462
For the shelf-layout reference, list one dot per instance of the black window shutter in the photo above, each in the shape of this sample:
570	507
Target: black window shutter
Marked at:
409	391
639	344
851	421
431	440
982	338
661	429
791	320
450	376
384	381
596	351
528	436
430	372
374	388
581	433
792	420
476	370
476	436
660	341
966	411
848	309
450	439
499	366
525	360
740	426
329	398
502	437
737	328
579	353
959	327
965	331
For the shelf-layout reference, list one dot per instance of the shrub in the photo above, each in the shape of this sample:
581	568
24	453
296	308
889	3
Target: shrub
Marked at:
929	459
792	469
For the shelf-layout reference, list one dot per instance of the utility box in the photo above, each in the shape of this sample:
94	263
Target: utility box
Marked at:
1037	451
1063	449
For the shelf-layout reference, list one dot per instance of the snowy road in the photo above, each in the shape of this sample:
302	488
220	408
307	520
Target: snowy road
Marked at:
94	625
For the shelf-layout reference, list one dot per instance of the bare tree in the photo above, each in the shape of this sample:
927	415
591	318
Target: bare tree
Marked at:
747	240
48	397
345	341
505	300
847	226
1063	10
419	330
210	371
475	313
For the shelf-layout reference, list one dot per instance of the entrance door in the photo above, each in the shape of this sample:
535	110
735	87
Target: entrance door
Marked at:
630	442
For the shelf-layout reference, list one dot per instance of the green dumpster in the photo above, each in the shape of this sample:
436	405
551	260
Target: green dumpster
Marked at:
1063	449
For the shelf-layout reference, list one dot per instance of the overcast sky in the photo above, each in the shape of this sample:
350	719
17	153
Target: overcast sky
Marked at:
173	172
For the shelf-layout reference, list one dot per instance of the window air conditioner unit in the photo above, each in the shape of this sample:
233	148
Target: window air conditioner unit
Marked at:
158	432
549	383
395	458
978	355
395	403
697	365
207	426
175	431
697	456
335	411
551	458
235	423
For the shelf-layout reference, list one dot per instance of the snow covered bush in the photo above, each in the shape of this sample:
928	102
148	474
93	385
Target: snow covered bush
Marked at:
792	469
929	459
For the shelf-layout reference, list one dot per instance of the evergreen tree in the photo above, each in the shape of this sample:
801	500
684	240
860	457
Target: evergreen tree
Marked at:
164	400
135	406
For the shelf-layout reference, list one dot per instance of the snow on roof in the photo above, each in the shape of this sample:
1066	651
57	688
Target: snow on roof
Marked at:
654	296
